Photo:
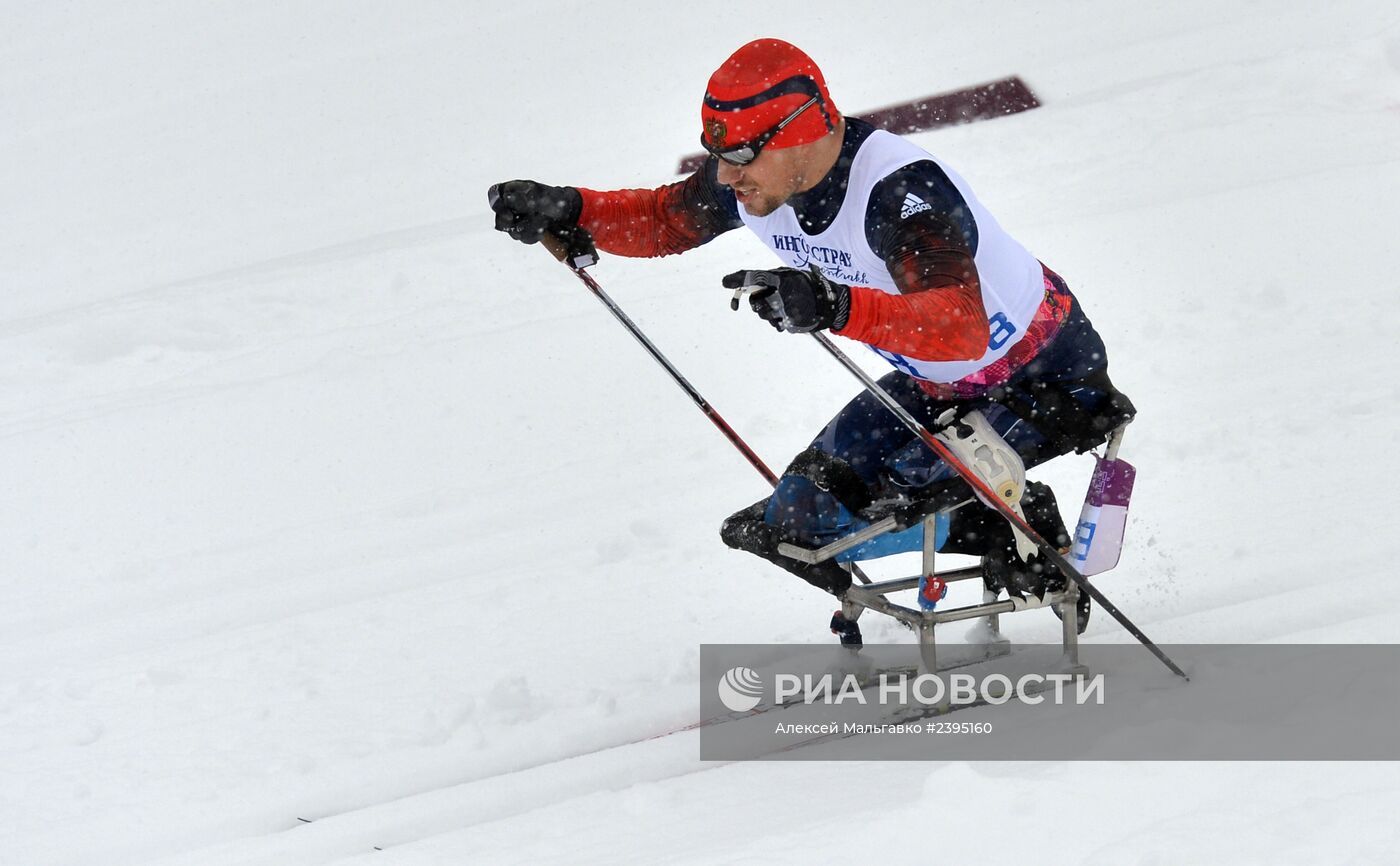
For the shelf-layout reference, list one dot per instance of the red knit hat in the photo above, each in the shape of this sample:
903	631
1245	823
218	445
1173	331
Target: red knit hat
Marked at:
759	85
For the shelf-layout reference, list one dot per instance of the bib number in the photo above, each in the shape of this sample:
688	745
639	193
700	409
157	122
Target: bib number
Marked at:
1001	331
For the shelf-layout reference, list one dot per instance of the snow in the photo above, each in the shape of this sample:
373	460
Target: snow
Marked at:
325	501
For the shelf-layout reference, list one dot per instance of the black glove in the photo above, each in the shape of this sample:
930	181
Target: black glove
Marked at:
525	210
793	300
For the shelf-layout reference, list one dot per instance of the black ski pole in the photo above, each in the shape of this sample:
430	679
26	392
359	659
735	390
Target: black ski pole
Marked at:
990	497
577	252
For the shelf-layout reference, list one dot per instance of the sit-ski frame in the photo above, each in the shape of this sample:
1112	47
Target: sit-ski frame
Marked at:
872	596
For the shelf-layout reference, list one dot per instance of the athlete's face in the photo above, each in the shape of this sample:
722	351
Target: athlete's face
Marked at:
765	184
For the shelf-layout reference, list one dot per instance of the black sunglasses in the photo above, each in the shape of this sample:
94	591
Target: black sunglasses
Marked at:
743	154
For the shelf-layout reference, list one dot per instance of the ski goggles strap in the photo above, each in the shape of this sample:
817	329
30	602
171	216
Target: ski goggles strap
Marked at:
747	152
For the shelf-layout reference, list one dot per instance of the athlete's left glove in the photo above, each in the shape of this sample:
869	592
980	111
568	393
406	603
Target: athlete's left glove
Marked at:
793	300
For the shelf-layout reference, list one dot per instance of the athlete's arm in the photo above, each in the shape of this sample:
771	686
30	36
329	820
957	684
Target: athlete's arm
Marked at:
918	223
664	221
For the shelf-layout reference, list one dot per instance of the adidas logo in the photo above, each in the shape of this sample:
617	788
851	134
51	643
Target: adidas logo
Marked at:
912	205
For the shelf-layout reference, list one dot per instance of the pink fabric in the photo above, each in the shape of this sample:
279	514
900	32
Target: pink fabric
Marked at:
1054	309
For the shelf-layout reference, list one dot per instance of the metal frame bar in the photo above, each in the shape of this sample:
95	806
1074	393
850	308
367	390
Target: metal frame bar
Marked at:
874	596
841	545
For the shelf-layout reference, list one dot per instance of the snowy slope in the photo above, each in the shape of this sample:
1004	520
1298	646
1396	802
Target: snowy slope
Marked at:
325	501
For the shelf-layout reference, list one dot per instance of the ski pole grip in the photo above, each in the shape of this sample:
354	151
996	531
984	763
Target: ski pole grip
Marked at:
574	249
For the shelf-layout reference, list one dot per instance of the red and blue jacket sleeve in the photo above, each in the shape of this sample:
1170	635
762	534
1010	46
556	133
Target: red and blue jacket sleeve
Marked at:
660	222
938	314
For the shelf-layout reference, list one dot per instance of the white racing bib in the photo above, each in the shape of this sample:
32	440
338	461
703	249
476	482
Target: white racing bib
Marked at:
1012	281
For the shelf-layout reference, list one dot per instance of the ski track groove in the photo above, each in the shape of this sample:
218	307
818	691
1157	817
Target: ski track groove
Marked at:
444	809
676	739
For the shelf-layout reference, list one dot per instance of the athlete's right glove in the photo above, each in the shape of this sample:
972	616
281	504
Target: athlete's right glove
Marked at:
525	209
793	300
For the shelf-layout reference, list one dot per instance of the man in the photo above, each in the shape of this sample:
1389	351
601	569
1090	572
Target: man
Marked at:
885	245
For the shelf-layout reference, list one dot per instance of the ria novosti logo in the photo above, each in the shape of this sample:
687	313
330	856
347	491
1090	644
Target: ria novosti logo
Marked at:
740	689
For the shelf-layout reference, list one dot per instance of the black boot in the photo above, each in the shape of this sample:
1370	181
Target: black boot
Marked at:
848	629
1002	567
747	530
1043	514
